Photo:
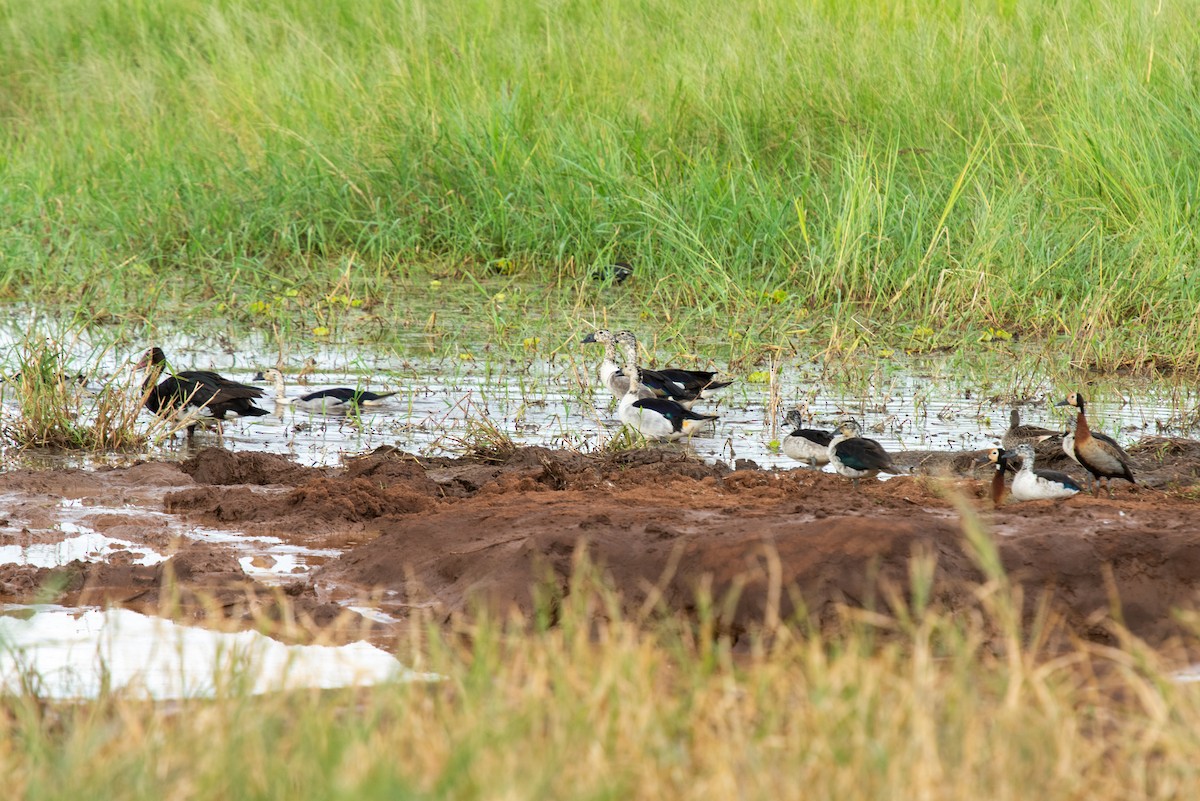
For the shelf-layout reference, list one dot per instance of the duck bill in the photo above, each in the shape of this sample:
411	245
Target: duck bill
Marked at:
1062	403
588	339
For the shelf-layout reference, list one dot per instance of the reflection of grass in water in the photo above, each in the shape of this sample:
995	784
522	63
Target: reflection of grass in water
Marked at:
595	700
895	186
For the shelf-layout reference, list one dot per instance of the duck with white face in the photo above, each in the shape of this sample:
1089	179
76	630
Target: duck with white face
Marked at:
1097	453
653	418
855	456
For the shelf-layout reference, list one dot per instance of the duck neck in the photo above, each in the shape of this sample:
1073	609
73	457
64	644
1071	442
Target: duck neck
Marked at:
609	366
1082	431
998	485
635	376
280	389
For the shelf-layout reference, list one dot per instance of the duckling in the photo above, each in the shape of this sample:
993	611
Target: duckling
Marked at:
855	456
655	418
331	401
1030	484
808	445
191	394
1017	433
1000	458
1100	455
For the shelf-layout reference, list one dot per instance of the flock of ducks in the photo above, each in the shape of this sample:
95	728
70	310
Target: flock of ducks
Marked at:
658	405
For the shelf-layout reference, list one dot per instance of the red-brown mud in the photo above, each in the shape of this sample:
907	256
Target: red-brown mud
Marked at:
441	535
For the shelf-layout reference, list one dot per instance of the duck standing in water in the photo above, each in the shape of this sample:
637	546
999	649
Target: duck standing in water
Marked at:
1099	454
682	386
336	400
854	456
653	418
1030	484
189	395
808	445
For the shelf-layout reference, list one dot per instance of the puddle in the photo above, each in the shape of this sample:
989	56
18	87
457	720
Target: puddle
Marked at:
89	546
925	404
70	653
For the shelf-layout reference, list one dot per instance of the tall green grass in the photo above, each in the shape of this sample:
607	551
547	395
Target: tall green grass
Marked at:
874	165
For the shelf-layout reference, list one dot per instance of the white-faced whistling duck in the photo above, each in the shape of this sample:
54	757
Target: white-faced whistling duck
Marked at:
1100	455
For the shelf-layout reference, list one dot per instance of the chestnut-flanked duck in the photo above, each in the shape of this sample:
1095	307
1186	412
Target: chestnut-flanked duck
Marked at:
1018	434
808	445
854	456
654	418
335	400
188	395
681	386
1099	454
1030	484
1000	458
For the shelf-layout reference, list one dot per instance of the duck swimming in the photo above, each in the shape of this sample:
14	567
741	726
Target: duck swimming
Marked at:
192	394
855	456
808	445
329	401
654	418
1099	454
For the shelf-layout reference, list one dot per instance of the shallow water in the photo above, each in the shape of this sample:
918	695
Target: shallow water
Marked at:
78	653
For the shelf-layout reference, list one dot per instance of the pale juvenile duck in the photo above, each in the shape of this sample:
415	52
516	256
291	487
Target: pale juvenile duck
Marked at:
1030	484
192	394
336	400
654	418
808	445
1100	455
855	456
1018	434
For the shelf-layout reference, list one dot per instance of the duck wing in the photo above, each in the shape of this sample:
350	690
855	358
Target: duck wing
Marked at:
860	453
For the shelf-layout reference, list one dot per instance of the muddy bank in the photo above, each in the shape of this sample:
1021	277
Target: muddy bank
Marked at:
404	534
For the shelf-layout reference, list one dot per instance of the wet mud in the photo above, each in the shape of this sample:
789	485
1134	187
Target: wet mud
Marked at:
439	537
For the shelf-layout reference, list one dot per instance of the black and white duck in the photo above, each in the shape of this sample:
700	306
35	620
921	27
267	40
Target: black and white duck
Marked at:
654	418
1099	454
808	445
681	386
1031	484
335	400
190	395
854	456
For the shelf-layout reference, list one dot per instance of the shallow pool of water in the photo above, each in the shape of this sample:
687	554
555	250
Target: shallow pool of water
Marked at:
78	653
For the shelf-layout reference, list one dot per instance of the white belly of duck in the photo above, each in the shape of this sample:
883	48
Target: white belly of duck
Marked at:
1029	486
802	449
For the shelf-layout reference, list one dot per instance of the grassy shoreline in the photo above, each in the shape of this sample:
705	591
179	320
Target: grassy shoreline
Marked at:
767	169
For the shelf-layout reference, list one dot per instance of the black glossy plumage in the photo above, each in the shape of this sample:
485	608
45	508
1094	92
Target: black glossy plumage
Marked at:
199	390
346	395
860	453
672	411
814	435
